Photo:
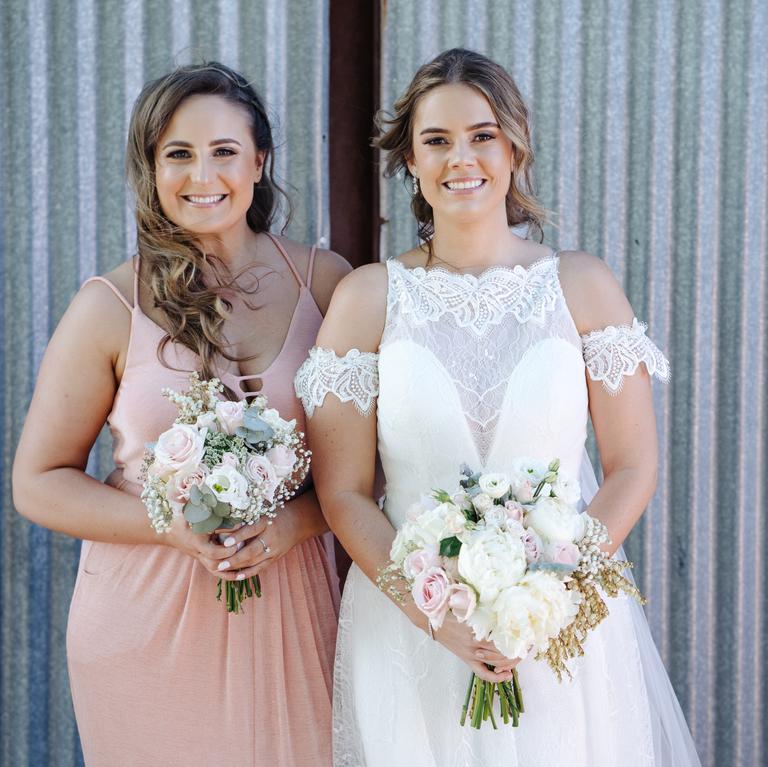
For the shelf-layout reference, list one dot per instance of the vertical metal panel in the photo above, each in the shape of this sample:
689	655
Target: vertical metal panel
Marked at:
651	133
69	74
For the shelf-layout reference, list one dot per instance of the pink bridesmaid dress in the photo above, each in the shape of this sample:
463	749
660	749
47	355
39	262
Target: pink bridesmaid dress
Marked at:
160	673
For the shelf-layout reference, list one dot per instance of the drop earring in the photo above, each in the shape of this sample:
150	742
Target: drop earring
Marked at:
415	182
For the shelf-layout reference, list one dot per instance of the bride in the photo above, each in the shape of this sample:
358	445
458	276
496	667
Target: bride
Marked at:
479	347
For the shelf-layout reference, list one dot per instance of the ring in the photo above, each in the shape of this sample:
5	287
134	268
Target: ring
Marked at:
266	548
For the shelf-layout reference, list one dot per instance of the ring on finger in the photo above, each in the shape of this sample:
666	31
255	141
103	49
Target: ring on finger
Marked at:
266	548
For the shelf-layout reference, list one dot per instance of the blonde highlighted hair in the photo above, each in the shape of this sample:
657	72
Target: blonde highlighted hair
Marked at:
459	65
171	262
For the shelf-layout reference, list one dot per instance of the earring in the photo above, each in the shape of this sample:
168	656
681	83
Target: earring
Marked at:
415	182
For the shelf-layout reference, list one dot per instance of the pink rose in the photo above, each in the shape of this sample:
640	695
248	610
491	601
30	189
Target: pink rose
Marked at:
230	415
462	601
430	592
283	459
563	554
533	546
419	561
179	450
230	459
514	511
524	491
261	472
179	486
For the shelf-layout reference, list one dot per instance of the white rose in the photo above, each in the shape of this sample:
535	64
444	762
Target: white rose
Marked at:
230	415
496	516
272	418
490	560
568	490
482	502
402	545
179	451
432	525
495	485
207	421
555	521
229	486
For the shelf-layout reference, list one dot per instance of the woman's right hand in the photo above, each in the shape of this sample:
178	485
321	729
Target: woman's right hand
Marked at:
197	545
460	640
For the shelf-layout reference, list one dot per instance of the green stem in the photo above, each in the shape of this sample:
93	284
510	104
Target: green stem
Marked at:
518	691
465	707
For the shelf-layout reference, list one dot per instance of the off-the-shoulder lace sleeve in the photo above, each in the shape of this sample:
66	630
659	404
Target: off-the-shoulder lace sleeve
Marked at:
352	378
616	351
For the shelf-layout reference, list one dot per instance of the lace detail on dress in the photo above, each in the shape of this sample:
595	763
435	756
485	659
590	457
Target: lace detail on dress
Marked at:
352	378
477	302
616	351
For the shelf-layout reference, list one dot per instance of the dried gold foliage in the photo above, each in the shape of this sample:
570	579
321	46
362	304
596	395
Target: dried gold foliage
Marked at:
569	643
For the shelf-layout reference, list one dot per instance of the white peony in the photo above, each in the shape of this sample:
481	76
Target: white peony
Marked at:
529	615
229	486
556	521
494	485
491	559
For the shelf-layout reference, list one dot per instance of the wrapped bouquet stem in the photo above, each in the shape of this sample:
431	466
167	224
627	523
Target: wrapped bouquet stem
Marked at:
220	465
510	555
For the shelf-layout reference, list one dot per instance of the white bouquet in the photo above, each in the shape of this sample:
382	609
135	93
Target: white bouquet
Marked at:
511	556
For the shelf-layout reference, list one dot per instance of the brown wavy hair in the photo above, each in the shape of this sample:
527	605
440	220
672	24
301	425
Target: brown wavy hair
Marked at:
171	261
459	65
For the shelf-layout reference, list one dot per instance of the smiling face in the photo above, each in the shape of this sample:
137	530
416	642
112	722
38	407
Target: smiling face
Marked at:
461	156
206	165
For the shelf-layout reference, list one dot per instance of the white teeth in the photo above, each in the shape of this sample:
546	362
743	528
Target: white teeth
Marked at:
205	200
464	184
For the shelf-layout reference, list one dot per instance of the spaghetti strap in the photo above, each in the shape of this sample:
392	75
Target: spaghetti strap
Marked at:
312	253
287	258
123	300
136	280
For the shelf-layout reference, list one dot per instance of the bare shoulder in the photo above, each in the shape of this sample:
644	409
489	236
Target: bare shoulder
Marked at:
330	268
357	311
98	314
593	294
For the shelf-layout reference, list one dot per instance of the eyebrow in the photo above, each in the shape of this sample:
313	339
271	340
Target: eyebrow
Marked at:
470	128
217	142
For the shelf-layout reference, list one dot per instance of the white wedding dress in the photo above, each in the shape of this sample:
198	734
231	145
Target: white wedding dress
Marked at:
483	370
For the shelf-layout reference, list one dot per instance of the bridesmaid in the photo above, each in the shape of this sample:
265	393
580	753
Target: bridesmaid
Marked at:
160	673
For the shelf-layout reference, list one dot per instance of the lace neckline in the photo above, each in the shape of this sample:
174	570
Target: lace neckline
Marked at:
477	302
517	271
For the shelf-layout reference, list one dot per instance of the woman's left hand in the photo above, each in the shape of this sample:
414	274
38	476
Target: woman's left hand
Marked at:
263	542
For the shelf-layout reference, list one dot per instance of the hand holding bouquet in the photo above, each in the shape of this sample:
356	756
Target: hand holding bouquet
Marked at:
512	557
220	465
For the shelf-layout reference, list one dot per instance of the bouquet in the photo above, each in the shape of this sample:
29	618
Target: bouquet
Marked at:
222	464
510	555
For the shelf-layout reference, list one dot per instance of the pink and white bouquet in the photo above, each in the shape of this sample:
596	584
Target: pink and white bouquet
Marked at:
510	555
222	464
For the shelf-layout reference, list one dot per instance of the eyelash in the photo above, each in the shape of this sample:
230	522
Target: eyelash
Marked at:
183	154
438	140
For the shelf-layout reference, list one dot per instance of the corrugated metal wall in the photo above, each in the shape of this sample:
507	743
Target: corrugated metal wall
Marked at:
69	73
651	131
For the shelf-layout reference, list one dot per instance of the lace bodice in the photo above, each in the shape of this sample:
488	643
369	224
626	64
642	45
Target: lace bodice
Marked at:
477	370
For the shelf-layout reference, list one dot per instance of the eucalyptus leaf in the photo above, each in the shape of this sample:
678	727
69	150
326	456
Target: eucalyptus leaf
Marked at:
196	512
207	525
195	495
221	509
552	567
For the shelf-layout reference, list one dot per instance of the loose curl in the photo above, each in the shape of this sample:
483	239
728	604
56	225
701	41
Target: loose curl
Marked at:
171	261
459	65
